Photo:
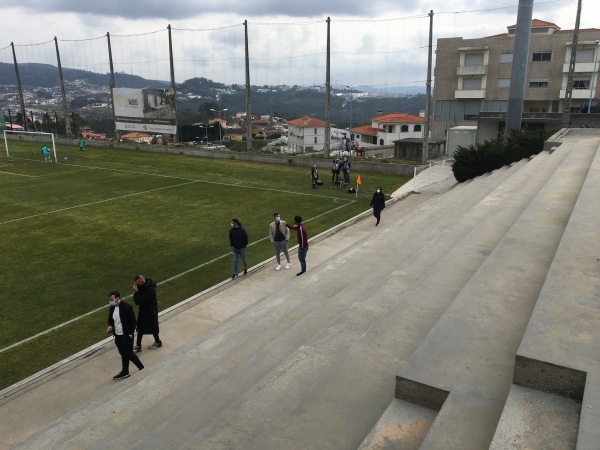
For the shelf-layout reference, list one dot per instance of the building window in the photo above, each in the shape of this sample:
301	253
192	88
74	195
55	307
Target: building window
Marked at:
503	82
542	56
315	131
390	128
506	58
417	128
471	84
404	129
474	59
581	83
537	110
585	55
538	83
315	139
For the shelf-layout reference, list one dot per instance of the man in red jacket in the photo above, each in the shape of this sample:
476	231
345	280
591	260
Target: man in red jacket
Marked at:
302	242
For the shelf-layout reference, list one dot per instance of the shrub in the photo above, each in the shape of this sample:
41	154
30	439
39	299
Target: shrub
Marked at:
475	160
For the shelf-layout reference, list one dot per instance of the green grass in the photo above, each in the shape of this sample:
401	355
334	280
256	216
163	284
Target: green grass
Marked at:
73	231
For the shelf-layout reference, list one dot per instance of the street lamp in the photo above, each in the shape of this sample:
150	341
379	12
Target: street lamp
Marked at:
206	131
350	87
220	127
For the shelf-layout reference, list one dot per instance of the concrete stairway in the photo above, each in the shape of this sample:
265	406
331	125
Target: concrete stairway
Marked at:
441	291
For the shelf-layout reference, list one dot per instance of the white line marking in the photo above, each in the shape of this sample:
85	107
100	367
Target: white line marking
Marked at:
179	275
18	174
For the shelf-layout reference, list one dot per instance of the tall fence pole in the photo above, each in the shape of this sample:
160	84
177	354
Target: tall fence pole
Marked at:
176	137
248	94
327	144
62	91
428	92
112	85
21	98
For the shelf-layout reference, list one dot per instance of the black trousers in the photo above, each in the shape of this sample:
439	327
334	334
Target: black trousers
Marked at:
140	335
124	344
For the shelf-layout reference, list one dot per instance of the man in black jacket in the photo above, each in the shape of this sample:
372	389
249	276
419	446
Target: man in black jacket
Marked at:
145	297
238	240
121	323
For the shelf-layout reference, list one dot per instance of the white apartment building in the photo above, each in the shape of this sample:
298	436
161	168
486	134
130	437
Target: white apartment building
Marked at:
473	79
306	134
387	128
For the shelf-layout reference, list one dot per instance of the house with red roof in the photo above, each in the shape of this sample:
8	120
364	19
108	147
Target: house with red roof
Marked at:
306	134
387	128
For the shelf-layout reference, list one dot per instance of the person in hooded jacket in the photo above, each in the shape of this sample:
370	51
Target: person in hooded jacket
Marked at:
378	204
145	297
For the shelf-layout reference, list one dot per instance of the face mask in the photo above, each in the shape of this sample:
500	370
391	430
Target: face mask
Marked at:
378	191
231	225
278	219
112	303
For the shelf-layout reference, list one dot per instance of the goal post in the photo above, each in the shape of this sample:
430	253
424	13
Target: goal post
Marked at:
29	152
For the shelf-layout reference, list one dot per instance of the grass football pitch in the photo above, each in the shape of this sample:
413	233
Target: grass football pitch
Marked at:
73	231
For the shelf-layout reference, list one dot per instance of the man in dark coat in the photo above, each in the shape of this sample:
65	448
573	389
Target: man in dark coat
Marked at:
238	239
145	297
378	204
121	323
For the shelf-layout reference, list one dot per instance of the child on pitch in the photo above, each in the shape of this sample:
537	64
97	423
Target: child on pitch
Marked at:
46	154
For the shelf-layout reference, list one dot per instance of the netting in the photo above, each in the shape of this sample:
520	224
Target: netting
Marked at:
32	149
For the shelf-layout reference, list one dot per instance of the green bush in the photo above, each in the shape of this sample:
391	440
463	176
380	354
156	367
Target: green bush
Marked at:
475	160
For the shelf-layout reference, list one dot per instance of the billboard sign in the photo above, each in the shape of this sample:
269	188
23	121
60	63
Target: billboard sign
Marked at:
145	110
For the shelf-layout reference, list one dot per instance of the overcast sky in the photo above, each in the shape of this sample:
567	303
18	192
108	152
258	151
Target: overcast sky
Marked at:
377	42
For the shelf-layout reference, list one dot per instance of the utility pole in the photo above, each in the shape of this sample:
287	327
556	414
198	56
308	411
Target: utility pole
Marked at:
248	98
20	89
516	94
569	91
112	86
62	90
428	92
177	137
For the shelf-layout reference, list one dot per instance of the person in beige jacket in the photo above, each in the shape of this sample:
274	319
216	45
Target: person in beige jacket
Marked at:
279	235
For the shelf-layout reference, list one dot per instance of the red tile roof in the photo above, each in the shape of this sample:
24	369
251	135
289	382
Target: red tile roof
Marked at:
135	135
365	129
537	23
398	118
307	121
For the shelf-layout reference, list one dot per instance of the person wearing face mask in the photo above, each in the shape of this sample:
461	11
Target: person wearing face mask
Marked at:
378	204
279	235
238	239
121	323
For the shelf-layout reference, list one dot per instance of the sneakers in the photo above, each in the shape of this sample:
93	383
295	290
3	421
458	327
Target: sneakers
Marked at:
121	376
245	271
141	368
137	349
155	345
234	276
278	267
288	265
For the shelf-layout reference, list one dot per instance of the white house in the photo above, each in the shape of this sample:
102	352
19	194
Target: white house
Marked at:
306	134
386	129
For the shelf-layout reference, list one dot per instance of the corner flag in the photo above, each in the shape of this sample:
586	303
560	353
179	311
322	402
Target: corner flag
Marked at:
358	180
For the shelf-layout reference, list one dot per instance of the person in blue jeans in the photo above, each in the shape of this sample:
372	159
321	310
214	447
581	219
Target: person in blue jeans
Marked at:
238	239
302	242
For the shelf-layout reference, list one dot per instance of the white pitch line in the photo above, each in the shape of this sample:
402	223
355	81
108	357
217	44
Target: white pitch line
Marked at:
96	203
18	174
179	275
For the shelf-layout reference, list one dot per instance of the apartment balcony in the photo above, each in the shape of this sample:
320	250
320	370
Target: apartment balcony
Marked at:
469	93
471	70
577	93
586	67
529	117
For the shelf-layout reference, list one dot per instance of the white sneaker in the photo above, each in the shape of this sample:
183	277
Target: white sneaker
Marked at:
288	265
278	267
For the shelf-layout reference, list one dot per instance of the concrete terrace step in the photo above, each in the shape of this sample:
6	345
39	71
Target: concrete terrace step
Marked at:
558	360
494	214
453	369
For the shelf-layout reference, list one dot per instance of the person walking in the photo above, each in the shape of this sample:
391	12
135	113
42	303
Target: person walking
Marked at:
314	173
144	296
121	323
81	144
238	239
302	242
46	154
333	170
279	237
378	204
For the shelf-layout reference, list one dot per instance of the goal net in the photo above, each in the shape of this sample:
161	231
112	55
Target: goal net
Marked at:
28	144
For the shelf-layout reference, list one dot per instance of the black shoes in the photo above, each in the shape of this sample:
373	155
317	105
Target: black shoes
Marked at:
121	376
300	273
155	345
245	271
234	276
137	349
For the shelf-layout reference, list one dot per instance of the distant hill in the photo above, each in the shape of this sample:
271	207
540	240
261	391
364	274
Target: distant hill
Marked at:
34	75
